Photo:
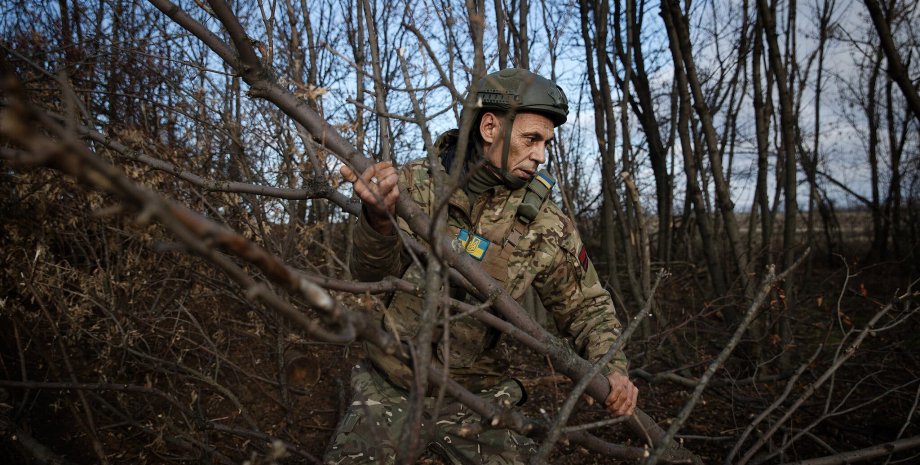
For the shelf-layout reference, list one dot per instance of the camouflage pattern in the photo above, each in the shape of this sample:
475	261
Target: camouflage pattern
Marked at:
369	431
548	257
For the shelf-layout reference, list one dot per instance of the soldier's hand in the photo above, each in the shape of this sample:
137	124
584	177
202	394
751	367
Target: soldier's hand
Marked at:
623	395
378	188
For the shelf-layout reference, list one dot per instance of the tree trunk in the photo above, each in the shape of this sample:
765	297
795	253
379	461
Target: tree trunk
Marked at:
787	137
679	39
604	131
694	192
642	105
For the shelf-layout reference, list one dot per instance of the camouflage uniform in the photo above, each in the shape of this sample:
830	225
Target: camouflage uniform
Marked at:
369	431
547	254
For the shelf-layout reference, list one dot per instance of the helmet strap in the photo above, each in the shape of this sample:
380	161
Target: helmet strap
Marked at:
510	180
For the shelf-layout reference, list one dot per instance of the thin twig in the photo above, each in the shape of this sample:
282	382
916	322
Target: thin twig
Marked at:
769	280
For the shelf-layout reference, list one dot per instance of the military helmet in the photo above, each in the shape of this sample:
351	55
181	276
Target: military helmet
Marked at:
518	90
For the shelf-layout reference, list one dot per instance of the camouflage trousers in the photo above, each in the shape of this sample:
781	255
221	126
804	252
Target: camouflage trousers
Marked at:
369	431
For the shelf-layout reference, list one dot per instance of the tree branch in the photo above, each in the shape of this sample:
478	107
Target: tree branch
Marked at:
862	455
769	281
896	68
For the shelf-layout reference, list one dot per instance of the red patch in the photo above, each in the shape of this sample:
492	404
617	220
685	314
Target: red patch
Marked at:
583	257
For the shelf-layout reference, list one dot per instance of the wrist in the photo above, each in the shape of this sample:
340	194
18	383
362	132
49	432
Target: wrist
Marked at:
381	224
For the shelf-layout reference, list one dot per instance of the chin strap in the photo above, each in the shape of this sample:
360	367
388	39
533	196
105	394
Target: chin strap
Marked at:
511	181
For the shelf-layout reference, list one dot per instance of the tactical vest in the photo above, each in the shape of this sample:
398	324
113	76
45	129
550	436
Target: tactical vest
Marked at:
493	246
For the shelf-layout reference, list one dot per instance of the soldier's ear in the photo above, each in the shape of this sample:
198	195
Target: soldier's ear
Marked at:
490	126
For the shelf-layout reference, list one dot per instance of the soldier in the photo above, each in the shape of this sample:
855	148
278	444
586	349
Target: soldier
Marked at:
503	217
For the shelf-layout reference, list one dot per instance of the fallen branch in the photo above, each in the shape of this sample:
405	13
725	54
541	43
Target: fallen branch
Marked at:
863	455
568	407
847	353
18	438
769	280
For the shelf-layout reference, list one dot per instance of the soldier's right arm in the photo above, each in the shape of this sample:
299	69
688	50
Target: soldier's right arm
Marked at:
377	247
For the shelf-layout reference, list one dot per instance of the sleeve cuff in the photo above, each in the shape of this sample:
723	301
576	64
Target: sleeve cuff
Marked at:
373	240
618	366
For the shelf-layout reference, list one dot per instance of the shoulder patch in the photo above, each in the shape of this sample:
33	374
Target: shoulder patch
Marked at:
474	244
583	257
545	179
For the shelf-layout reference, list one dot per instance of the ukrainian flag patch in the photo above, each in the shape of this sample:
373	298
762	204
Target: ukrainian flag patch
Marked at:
545	180
474	245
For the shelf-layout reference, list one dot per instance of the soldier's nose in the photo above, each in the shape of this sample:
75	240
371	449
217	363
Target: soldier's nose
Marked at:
539	155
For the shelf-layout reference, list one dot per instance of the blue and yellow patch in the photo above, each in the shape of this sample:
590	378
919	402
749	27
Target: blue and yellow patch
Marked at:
545	180
474	245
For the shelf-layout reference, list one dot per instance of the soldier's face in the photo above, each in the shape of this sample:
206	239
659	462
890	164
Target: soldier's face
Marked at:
531	133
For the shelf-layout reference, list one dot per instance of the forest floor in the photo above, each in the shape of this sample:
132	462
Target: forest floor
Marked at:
854	413
204	368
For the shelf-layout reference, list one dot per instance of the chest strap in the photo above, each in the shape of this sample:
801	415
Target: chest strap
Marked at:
537	191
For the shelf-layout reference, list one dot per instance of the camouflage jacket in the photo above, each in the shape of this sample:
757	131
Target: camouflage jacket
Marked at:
549	256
